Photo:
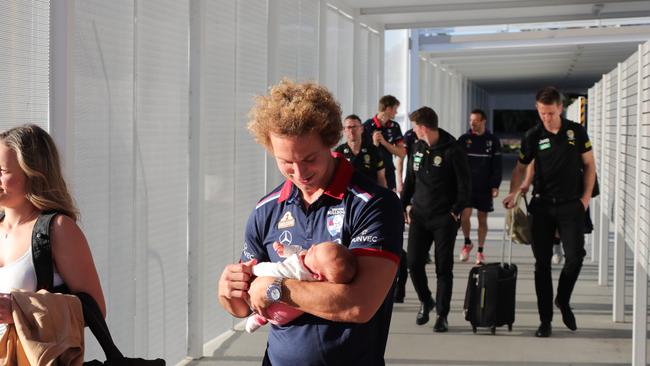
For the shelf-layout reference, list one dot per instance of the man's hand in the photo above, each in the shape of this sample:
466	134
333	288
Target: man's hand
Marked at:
509	201
257	295
524	187
495	192
585	202
5	309
235	279
377	138
407	214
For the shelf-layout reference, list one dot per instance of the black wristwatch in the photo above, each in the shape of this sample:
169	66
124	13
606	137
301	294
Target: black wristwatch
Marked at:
274	291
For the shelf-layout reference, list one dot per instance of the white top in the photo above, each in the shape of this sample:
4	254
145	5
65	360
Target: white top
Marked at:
21	274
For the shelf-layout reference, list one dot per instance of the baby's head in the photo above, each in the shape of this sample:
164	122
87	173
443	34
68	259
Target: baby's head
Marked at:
331	262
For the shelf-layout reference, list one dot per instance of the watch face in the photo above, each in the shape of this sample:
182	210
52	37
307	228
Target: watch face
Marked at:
275	294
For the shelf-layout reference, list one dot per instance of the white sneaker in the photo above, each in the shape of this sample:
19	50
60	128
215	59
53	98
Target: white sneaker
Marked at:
557	258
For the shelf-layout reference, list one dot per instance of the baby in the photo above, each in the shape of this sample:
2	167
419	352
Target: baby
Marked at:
327	261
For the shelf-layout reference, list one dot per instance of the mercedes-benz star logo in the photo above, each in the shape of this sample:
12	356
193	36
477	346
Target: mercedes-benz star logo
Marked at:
285	238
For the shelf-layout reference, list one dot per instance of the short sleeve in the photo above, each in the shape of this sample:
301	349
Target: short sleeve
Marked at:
583	140
526	150
253	242
378	226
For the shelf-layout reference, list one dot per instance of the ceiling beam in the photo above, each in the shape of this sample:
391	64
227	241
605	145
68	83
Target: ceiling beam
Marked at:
442	23
490	5
562	37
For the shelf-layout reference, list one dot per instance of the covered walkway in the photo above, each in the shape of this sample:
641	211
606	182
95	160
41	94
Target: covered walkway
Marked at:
147	101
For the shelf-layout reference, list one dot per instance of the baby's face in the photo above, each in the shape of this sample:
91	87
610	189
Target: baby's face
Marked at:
314	259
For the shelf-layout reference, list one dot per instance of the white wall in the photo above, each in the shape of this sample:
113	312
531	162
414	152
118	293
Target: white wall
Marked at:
619	126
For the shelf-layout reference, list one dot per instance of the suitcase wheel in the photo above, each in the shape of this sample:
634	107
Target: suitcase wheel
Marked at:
510	327
493	330
473	329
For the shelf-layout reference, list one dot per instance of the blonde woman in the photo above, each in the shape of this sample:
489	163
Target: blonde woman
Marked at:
31	183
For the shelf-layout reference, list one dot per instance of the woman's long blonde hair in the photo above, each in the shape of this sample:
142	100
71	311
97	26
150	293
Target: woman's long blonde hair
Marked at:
39	159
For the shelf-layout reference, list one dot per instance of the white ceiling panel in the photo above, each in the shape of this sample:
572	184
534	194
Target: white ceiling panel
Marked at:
566	56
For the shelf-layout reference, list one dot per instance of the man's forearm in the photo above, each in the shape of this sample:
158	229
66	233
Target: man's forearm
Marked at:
515	182
355	302
396	150
236	307
589	181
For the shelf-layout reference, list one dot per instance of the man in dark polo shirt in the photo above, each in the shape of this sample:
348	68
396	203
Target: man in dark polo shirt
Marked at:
484	155
322	199
436	190
386	134
365	158
561	195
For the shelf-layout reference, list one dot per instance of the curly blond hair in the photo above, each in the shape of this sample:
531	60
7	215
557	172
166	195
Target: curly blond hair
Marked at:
295	109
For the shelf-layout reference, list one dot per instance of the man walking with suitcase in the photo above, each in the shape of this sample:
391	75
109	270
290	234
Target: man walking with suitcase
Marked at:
561	194
436	190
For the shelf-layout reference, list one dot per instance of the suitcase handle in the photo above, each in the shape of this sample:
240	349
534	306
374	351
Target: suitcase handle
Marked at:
508	233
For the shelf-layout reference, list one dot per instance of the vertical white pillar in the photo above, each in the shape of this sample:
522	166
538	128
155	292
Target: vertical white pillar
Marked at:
356	68
618	303
61	122
414	70
603	255
381	66
322	44
594	120
640	296
195	263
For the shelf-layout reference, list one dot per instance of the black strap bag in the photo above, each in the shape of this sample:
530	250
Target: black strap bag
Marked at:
43	264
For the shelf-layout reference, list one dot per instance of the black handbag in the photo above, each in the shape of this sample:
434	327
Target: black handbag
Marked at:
43	264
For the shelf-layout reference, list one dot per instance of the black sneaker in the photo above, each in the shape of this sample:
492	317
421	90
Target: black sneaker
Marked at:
423	313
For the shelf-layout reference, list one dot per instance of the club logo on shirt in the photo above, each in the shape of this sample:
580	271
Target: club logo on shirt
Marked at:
286	221
571	135
285	238
366	158
437	161
335	220
488	143
469	143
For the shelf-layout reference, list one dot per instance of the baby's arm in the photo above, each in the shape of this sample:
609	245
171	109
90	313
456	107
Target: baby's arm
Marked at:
286	251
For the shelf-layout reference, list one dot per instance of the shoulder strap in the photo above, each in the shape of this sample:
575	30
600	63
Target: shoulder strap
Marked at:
42	251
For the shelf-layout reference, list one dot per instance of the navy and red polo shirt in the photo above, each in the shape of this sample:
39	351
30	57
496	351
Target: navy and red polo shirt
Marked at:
352	211
393	135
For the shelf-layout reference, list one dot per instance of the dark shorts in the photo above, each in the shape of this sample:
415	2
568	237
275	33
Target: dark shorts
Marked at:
482	202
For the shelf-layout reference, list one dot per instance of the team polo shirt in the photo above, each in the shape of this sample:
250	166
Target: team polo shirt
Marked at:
558	159
354	212
484	156
367	162
393	135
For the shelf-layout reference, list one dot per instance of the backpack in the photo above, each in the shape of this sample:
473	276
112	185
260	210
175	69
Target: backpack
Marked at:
518	221
44	267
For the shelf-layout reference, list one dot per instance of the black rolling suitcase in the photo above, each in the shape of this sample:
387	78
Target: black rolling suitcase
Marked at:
490	295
